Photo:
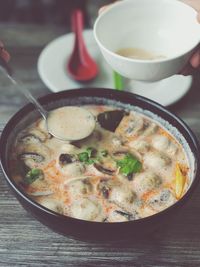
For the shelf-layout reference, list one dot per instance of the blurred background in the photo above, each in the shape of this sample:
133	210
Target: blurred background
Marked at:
48	11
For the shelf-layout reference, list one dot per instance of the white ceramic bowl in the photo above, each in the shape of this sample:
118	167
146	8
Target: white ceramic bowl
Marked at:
162	27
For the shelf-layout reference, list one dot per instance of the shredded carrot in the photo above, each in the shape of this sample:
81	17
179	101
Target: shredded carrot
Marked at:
148	194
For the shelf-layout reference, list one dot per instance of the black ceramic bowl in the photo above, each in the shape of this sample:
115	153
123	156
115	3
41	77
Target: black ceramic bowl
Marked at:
84	229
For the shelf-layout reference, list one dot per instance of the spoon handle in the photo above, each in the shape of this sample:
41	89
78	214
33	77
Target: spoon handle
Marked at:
7	71
77	27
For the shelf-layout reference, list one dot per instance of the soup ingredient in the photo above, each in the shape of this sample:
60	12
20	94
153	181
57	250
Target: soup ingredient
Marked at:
87	156
31	159
33	175
128	216
103	169
180	181
66	158
129	165
70	123
138	53
110	120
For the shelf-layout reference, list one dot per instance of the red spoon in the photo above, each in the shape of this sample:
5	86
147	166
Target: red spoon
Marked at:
81	66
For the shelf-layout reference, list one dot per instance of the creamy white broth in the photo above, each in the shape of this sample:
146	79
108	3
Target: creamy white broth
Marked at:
138	53
98	188
70	123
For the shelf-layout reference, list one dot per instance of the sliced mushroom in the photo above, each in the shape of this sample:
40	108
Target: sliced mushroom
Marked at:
29	139
118	216
39	188
120	153
34	155
66	159
127	215
104	170
110	120
104	187
31	160
33	136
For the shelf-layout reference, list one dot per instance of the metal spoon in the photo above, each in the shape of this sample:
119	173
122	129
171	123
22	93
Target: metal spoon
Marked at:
47	115
81	66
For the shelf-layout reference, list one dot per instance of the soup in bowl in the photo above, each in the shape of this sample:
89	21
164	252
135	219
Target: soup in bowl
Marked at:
147	40
138	165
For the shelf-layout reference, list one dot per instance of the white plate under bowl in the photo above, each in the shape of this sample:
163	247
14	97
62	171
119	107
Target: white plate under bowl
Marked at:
52	70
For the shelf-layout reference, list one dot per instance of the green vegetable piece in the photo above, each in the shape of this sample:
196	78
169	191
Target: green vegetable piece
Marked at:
129	164
83	157
33	175
91	161
91	152
88	156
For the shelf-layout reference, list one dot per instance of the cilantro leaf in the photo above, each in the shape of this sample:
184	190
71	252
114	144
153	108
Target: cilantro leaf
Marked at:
87	156
129	164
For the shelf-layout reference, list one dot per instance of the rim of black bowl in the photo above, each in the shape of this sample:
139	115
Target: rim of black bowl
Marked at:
119	96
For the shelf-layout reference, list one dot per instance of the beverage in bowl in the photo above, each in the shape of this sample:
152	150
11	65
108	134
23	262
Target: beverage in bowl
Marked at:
147	40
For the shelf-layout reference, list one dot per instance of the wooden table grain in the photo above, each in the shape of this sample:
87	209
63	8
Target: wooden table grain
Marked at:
26	242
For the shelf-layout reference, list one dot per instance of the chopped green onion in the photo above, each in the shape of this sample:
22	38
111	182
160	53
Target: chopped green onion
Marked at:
91	151
83	157
33	175
87	156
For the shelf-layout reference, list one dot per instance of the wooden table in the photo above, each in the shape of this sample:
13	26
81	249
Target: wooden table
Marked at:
26	242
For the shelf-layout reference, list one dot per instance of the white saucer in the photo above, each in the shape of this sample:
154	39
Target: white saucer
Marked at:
52	70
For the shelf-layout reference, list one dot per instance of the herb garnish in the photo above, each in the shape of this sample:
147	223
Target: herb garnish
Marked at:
33	175
88	156
129	165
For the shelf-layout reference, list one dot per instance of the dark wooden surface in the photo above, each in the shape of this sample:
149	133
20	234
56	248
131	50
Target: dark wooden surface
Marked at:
26	242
